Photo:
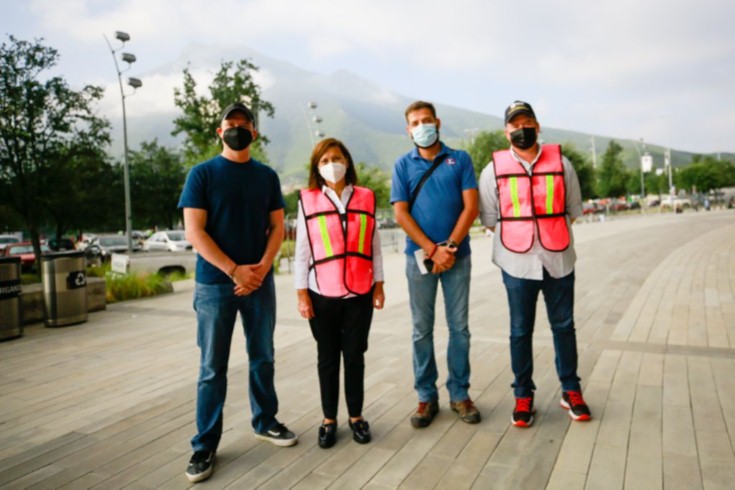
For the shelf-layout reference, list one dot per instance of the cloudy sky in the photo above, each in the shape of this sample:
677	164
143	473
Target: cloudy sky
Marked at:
661	70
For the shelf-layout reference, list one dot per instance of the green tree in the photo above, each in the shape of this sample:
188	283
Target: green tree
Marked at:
583	167
612	177
201	114
482	147
96	187
156	180
373	177
292	203
45	127
706	174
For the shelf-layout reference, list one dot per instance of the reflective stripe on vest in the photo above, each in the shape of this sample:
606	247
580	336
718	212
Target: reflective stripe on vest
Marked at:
341	269
529	203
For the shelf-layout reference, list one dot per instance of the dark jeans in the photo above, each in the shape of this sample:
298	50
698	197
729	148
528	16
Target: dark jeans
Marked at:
340	328
217	307
559	299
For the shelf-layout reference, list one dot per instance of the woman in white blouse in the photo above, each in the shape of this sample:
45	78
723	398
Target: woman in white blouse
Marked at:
339	279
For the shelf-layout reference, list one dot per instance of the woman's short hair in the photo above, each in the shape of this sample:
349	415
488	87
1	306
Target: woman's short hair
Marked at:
316	181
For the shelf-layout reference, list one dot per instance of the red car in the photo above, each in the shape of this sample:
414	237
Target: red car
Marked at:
24	250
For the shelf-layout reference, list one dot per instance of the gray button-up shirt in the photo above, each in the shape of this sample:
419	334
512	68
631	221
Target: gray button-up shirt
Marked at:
530	265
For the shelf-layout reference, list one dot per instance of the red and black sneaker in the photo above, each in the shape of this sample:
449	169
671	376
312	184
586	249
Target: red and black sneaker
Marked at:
574	403
523	413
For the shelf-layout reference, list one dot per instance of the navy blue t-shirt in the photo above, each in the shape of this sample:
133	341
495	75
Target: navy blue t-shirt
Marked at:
439	204
238	198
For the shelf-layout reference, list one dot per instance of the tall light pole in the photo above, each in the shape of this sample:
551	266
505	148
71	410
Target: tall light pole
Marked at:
471	132
135	83
315	119
594	151
667	165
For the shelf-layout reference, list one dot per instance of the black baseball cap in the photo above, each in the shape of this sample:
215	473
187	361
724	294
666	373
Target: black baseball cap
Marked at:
238	106
518	107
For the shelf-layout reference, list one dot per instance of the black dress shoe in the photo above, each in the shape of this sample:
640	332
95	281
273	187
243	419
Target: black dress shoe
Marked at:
327	435
360	431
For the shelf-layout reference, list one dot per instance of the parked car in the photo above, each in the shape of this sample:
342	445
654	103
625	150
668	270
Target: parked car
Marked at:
387	223
6	240
138	237
112	244
168	240
591	208
61	244
24	250
618	205
86	240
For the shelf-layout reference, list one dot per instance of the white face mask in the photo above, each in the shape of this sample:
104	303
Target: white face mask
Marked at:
333	172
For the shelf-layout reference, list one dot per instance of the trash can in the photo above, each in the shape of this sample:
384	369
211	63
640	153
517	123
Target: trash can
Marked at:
64	288
11	321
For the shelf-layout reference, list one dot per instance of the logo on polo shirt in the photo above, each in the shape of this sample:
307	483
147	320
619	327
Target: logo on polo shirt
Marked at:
451	161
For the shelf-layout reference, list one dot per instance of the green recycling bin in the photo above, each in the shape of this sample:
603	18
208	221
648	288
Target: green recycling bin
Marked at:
64	288
11	321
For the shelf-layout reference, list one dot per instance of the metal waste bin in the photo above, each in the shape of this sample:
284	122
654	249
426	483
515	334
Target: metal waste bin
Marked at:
11	321
64	288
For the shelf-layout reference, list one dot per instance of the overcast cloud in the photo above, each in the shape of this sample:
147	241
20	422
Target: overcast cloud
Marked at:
653	69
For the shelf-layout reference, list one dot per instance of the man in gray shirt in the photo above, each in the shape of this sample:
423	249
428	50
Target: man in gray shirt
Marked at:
530	196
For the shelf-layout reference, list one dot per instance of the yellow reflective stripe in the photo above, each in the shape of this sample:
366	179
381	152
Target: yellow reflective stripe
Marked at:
325	236
549	194
514	197
363	230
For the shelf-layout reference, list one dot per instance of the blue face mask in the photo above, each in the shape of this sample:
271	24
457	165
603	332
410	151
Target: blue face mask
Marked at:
425	135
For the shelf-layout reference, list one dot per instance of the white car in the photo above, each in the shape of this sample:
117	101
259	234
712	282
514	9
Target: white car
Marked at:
6	240
169	240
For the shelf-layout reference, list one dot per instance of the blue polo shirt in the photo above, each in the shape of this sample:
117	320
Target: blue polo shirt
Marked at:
439	204
238	198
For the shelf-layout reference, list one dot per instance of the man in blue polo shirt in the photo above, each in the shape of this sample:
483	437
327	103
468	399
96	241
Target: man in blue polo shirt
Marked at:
434	197
233	214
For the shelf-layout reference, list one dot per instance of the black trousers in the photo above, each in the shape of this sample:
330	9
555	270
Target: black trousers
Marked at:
340	328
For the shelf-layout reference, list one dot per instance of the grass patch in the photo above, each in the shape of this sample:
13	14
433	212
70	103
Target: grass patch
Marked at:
133	286
179	276
29	278
98	270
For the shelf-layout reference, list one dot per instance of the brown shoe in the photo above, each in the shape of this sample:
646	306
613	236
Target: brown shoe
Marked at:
424	414
467	411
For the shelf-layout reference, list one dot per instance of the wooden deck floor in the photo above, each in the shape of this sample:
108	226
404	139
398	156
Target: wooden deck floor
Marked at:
110	403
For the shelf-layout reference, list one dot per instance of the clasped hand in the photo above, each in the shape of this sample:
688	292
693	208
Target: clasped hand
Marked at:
443	258
248	278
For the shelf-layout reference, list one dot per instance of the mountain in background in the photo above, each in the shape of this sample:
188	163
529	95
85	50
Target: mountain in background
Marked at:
367	117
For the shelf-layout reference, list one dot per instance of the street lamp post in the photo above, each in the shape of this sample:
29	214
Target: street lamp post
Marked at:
135	83
315	119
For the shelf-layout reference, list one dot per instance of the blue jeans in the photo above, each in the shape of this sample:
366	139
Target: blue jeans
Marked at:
422	292
217	306
559	299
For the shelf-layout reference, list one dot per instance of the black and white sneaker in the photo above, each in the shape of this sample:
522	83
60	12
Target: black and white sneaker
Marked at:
278	435
201	466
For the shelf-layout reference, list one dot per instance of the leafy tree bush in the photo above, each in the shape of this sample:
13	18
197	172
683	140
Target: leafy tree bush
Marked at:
51	141
612	176
201	114
156	179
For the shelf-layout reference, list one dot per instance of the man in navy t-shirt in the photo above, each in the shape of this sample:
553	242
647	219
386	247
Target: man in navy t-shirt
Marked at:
233	214
436	210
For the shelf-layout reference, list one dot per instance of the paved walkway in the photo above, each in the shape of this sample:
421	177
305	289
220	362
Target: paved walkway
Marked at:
110	403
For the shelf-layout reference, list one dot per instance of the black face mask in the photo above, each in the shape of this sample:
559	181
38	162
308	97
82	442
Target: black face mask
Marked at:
237	138
523	138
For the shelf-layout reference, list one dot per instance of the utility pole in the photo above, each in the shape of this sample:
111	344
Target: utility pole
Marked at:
594	152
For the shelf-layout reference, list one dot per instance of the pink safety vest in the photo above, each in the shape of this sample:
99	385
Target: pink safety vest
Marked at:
342	255
528	201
